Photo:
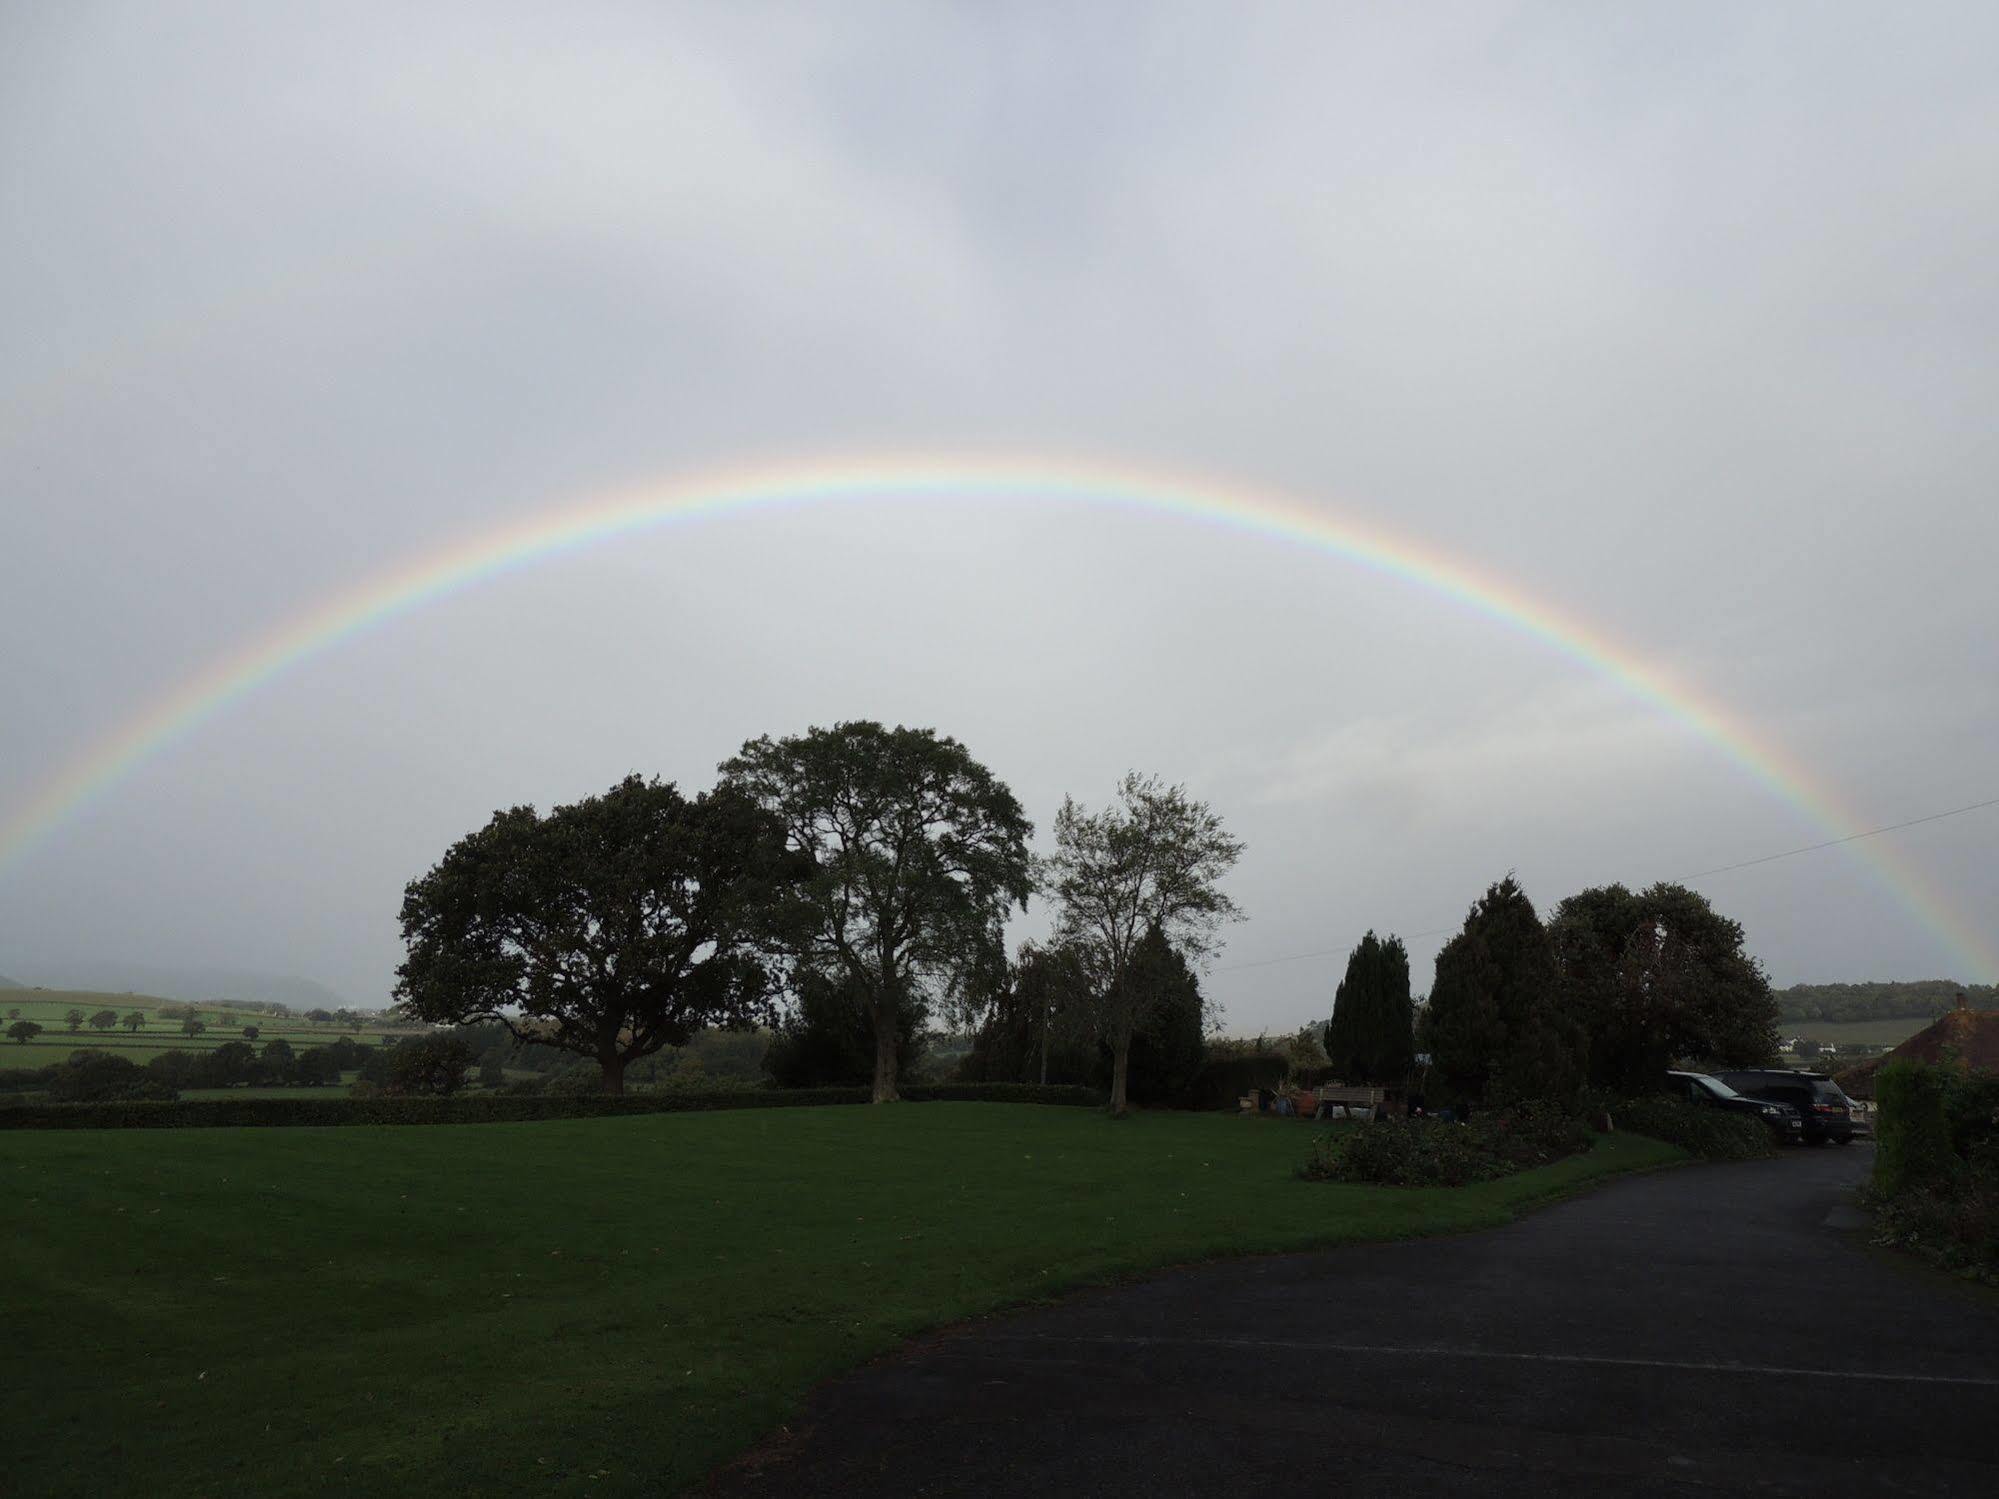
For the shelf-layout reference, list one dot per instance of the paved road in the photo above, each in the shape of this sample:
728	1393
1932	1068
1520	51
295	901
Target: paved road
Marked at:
1711	1330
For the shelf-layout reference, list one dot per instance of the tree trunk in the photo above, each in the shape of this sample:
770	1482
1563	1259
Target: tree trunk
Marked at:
614	1072
885	1029
1120	1070
1046	1017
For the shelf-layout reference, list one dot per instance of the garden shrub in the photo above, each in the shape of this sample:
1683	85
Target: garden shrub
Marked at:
1709	1134
1936	1172
493	1108
1913	1134
1428	1152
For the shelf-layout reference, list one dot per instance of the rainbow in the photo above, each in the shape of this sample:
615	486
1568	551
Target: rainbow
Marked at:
575	525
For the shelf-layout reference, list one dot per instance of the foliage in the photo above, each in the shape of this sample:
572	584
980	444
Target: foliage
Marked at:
102	1077
919	854
1913	1146
73	1019
1659	977
497	1108
1168	1044
1371	1037
1035	1027
1153	859
1429	1152
1709	1134
1936	1173
1495	1026
104	1020
134	1021
433	1065
1922	999
316	1067
613	927
827	1038
279	1061
21	1032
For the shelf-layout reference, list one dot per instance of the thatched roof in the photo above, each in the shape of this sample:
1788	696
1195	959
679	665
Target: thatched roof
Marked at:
1967	1037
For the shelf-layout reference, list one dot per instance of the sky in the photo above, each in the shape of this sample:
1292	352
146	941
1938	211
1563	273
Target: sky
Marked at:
1679	319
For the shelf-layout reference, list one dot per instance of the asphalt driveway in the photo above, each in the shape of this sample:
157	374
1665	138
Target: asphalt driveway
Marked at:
1709	1330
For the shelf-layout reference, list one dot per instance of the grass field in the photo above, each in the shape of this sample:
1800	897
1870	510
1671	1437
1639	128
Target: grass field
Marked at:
585	1306
1853	1032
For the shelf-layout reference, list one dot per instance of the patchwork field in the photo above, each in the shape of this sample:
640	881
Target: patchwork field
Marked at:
1853	1032
49	1008
586	1306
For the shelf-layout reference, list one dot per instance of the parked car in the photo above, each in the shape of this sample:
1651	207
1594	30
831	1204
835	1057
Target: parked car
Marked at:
1827	1113
1711	1092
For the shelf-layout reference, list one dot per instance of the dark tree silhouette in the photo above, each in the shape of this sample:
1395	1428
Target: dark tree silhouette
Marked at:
613	927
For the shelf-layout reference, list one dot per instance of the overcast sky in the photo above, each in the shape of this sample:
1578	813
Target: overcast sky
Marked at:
1682	318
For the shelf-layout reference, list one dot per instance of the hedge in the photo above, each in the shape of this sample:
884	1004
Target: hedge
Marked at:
1913	1128
494	1108
1710	1134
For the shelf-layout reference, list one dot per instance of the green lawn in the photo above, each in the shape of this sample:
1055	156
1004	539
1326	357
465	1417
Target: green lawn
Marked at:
585	1306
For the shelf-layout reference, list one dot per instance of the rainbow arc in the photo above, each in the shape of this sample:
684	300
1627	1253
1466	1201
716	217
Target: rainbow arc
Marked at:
574	525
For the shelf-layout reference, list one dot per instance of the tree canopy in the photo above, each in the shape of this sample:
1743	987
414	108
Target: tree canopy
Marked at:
1154	858
612	927
918	853
1659	977
1037	1027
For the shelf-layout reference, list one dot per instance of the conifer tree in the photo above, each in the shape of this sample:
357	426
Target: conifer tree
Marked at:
1495	1027
1370	1038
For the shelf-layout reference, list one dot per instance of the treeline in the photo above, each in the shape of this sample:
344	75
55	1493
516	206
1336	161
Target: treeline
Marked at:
1603	998
849	888
851	884
97	1076
1916	999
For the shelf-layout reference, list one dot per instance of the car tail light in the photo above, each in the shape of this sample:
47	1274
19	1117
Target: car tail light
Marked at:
1827	1108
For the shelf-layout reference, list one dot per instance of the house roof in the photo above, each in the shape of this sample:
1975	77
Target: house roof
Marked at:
1965	1036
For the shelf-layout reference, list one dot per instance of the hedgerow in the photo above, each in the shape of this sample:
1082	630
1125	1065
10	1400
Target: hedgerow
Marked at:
1428	1152
493	1108
1709	1134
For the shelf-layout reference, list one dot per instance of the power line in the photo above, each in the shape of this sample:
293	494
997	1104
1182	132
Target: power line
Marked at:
1810	848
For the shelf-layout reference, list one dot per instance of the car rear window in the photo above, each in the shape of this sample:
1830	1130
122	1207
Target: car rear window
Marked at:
1767	1085
1826	1091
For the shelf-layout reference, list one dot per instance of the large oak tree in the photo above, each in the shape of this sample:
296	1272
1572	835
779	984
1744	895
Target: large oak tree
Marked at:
612	927
919	852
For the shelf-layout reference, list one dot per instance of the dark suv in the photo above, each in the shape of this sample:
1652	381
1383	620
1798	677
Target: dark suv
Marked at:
1826	1111
1712	1093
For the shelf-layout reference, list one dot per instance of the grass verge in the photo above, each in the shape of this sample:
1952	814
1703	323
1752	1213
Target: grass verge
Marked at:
608	1306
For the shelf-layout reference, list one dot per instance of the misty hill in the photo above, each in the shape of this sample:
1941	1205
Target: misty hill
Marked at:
7	983
199	984
1907	999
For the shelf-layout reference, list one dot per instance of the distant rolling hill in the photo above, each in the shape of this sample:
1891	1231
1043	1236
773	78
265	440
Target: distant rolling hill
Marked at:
200	985
7	983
